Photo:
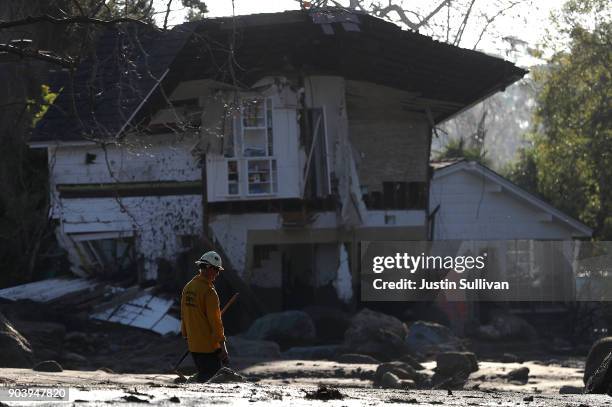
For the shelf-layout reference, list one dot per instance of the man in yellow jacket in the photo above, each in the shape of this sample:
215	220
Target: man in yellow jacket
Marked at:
201	322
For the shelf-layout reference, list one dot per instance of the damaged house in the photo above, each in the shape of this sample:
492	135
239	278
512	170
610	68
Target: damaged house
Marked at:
284	139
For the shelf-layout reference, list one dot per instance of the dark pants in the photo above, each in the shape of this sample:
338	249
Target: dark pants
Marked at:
207	363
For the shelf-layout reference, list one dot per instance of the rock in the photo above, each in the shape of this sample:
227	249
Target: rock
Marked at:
311	352
600	382
324	392
48	366
401	370
252	348
392	381
376	334
412	362
16	350
510	358
425	338
454	363
288	328
506	326
357	358
519	375
227	375
570	390
174	399
598	352
330	323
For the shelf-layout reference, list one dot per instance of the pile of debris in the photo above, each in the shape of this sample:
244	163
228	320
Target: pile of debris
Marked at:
131	306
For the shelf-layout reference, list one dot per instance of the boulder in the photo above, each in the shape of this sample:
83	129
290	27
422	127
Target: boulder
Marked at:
330	323
288	328
392	381
426	338
412	362
506	326
16	350
600	381
598	352
376	334
358	359
571	390
454	363
48	366
520	375
401	370
251	348
311	352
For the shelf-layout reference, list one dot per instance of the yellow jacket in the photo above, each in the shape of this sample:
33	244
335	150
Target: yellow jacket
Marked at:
201	316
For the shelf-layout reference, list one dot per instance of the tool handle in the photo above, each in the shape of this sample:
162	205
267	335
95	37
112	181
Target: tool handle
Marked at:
229	303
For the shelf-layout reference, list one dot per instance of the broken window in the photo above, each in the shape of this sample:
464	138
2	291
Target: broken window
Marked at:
110	256
397	195
317	176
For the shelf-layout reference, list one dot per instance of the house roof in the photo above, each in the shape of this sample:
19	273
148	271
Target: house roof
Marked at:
136	65
507	185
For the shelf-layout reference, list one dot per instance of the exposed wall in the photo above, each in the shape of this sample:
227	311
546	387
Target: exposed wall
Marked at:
392	144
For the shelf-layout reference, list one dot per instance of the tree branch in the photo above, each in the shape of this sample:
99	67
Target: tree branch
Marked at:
65	62
71	20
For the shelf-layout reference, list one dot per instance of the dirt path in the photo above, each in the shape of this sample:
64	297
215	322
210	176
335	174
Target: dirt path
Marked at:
282	383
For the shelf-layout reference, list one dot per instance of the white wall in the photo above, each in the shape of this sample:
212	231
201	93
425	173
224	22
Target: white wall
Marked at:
474	208
156	158
155	221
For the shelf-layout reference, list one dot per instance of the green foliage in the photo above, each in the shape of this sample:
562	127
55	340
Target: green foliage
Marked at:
196	9
570	163
458	148
46	99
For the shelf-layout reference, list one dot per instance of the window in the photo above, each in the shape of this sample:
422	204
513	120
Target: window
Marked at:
233	178
256	124
262	177
249	148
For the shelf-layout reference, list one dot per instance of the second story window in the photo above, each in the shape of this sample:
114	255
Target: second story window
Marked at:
256	127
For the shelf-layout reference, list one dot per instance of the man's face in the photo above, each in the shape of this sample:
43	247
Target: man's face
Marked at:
211	272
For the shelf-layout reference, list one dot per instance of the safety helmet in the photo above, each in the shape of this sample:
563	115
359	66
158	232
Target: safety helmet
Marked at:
211	258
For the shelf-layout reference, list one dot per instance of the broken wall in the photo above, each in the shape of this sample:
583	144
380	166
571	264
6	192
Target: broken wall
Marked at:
148	190
391	143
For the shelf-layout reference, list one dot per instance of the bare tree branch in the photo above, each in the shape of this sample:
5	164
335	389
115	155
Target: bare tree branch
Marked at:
66	62
167	13
71	20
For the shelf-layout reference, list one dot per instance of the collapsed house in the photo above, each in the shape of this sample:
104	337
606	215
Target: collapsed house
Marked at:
285	139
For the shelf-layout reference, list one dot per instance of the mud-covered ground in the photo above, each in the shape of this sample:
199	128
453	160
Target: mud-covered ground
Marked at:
295	382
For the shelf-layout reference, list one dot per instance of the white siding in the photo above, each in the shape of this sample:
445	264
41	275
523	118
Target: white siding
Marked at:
476	209
159	158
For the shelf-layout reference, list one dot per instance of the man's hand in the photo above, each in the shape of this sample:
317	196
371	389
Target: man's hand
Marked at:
223	355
